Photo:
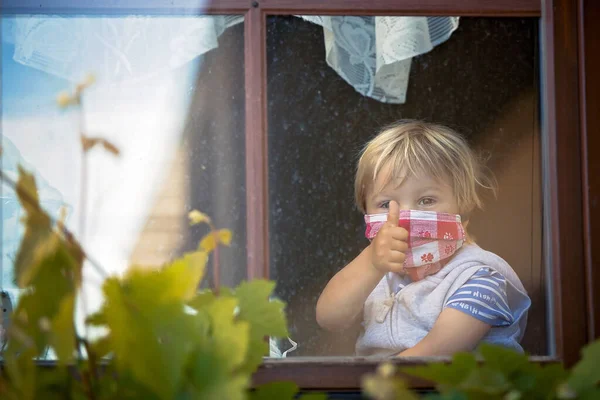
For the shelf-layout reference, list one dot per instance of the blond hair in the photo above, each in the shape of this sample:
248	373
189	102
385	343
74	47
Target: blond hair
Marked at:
417	147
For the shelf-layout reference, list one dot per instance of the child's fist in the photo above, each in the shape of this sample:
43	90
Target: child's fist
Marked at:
389	246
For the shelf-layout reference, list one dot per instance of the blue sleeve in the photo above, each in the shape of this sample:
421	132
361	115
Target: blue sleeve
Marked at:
484	297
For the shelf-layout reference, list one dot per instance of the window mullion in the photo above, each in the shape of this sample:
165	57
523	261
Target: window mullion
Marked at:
256	144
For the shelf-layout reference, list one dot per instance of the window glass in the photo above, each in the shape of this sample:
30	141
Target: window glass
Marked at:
168	93
334	82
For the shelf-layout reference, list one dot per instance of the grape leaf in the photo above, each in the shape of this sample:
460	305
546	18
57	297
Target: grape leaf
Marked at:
502	359
210	241
36	242
185	275
266	317
202	299
540	382
224	236
275	390
175	282
446	374
36	308
381	387
315	396
258	348
484	380
230	337
197	217
96	319
586	374
151	335
62	334
209	377
22	372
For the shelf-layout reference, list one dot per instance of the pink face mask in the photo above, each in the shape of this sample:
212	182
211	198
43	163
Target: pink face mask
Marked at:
432	238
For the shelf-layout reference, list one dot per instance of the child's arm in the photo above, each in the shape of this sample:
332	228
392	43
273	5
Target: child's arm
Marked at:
454	331
343	298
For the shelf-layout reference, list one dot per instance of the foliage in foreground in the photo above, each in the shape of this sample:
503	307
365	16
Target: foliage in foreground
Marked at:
163	339
499	374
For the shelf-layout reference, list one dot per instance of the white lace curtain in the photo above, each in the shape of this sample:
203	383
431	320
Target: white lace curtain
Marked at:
373	54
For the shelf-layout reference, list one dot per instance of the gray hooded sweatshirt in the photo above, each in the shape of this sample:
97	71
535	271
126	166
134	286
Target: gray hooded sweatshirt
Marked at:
393	323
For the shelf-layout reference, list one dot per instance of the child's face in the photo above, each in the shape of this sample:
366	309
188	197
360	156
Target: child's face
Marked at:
421	192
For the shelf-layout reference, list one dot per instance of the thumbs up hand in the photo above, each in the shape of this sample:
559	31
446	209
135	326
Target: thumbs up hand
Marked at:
389	246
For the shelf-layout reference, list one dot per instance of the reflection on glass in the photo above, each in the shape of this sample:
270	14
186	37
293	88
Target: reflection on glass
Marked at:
479	77
168	93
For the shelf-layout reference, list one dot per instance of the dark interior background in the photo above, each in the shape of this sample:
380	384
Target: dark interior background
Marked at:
483	82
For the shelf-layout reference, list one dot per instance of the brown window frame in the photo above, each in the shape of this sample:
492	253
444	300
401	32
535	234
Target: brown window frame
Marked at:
571	222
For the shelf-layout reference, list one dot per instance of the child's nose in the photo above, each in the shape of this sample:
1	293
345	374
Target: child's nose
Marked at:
405	206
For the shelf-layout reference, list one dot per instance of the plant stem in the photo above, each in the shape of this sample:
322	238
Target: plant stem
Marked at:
91	357
84	172
215	261
216	269
82	195
68	234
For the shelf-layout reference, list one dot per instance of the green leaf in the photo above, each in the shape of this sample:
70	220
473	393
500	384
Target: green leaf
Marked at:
463	364
381	387
58	384
45	245
313	396
102	347
590	394
230	337
208	243
450	395
547	380
121	386
202	300
184	275
224	236
586	374
486	381
35	243
62	337
151	335
266	317
502	359
57	277
258	348
96	319
209	378
197	217
275	390
22	373
175	282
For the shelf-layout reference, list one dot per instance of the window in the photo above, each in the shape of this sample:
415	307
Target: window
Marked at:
231	125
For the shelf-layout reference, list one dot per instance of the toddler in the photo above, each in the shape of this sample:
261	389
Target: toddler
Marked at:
422	287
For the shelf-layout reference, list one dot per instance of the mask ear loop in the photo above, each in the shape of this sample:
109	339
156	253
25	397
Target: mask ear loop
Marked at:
294	347
276	353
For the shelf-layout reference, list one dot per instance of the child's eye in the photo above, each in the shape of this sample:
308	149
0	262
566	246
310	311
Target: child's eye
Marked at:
427	201
384	204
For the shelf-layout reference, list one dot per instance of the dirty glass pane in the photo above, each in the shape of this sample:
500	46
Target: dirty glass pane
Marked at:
481	79
168	92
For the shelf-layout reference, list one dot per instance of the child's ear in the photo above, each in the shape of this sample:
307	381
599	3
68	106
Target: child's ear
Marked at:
465	223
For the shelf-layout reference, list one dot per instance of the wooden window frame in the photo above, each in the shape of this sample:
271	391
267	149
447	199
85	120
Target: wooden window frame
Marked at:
571	222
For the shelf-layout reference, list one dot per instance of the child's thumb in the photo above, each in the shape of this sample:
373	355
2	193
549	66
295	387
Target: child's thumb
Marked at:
393	213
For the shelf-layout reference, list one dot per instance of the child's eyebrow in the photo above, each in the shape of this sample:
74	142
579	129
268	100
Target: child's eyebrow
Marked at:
379	196
432	188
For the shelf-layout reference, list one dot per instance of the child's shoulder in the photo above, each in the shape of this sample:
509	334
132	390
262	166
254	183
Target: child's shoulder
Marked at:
475	259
